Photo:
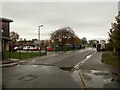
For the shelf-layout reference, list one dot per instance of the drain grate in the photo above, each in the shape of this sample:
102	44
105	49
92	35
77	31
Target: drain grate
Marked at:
27	78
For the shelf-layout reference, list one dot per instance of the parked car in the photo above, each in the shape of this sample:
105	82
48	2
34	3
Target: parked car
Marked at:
31	48
82	46
18	48
27	47
36	48
15	48
49	48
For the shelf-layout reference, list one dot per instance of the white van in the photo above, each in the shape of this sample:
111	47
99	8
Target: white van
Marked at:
101	46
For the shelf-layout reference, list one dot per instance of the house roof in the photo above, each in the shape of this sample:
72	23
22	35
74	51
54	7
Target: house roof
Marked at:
6	19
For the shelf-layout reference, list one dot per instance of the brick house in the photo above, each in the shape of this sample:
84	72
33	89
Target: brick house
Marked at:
5	30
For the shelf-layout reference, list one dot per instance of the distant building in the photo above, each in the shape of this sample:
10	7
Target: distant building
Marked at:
25	43
5	30
47	42
34	42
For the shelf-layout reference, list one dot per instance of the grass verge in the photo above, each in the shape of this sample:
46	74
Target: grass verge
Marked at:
21	55
110	59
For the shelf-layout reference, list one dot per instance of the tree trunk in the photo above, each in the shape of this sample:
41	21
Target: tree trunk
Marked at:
114	50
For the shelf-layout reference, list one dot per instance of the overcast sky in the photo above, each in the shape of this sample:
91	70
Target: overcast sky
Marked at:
88	19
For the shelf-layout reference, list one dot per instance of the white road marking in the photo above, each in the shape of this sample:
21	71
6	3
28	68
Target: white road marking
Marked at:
79	71
83	61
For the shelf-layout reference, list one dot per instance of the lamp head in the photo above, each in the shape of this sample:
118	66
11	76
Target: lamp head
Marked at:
41	25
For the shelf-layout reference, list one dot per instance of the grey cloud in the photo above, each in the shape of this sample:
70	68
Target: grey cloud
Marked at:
85	17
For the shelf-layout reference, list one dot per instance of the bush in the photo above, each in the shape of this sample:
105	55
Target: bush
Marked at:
111	59
57	48
109	47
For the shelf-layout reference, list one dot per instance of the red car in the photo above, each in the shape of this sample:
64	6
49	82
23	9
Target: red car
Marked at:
35	49
49	48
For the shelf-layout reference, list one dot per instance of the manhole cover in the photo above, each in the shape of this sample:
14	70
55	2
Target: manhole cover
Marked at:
27	78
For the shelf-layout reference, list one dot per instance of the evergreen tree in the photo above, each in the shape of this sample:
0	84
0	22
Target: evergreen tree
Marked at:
114	35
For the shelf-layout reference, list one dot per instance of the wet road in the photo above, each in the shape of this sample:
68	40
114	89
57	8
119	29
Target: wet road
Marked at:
97	74
37	76
70	58
46	72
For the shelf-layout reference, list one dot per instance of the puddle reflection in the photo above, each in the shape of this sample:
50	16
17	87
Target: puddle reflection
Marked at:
97	79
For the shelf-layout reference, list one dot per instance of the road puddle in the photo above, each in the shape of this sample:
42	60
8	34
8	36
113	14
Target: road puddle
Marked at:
44	64
67	68
97	79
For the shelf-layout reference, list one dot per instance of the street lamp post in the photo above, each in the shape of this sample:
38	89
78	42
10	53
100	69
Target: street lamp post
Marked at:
39	32
39	37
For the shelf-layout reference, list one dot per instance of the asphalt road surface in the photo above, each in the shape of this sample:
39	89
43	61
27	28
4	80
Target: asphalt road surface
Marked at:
59	70
64	59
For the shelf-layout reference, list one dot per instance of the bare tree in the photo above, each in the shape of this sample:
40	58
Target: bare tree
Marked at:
47	42
14	37
62	36
77	41
84	41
